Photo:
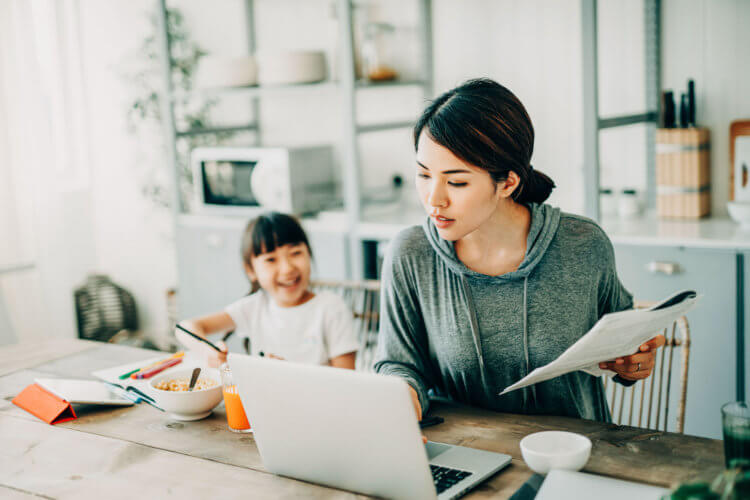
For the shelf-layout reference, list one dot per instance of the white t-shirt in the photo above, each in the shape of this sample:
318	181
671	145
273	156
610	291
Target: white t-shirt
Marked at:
314	332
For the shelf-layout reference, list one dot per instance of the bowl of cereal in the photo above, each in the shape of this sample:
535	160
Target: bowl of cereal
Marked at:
171	393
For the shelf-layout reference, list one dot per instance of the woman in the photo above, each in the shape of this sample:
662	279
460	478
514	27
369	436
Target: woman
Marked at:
495	283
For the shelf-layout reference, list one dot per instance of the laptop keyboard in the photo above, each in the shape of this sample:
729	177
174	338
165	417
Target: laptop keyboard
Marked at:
445	477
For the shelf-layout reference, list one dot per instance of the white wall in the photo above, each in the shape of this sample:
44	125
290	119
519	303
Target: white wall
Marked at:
709	41
133	238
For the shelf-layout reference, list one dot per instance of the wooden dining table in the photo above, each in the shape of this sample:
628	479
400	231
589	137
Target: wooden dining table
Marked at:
140	452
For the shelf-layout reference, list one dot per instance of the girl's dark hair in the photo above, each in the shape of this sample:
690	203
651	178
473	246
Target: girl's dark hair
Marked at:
484	124
269	231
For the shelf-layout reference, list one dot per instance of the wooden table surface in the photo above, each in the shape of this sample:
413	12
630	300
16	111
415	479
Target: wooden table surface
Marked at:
139	452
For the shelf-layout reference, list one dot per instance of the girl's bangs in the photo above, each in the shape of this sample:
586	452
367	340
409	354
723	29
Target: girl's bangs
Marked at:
276	230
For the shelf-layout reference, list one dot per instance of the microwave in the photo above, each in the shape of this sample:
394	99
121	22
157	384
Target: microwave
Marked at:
250	180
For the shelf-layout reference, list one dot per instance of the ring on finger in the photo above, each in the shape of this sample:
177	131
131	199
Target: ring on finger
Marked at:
638	368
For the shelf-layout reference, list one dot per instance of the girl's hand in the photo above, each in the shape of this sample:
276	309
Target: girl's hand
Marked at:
216	359
639	365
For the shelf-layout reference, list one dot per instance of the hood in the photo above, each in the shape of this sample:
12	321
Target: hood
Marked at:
545	220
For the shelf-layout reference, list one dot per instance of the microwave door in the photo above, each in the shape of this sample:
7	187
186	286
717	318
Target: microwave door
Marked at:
228	183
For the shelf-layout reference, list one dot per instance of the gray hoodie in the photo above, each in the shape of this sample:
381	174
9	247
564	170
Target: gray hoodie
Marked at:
467	335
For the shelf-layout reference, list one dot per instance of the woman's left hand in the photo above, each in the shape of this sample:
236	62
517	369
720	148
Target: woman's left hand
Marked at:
639	365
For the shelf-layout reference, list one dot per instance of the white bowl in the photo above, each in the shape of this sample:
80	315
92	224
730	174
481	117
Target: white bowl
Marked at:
217	71
184	405
740	212
544	451
295	66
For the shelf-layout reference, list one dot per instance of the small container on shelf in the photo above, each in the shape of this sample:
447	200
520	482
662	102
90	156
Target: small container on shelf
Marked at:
377	52
683	172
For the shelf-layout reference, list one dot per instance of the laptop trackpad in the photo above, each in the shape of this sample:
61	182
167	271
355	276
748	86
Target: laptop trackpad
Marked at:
435	449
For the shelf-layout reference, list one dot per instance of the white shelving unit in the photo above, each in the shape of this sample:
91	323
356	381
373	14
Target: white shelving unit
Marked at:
346	88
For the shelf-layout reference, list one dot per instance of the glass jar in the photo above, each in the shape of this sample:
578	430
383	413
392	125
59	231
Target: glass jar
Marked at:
377	52
236	418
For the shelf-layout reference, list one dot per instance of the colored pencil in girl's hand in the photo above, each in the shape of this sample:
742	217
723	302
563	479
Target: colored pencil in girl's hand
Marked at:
153	371
198	337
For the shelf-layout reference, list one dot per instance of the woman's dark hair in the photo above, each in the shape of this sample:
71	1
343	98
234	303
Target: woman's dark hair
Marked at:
269	231
484	124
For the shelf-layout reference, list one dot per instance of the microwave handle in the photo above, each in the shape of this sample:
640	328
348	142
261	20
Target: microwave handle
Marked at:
264	185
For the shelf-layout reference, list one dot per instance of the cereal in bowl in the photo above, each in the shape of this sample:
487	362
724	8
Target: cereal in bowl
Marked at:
181	384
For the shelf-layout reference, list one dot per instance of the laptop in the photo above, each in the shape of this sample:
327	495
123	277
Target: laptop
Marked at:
351	430
567	485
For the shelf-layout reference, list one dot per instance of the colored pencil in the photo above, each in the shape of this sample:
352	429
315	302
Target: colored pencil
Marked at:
153	371
198	337
131	372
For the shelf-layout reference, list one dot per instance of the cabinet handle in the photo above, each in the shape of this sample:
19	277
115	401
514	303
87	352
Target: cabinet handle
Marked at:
668	268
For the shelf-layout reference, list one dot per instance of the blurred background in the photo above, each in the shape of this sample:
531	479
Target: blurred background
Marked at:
108	216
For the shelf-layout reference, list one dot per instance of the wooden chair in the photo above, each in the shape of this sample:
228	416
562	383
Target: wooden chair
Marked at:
647	402
363	298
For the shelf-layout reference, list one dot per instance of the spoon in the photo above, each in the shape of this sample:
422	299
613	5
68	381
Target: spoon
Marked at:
194	378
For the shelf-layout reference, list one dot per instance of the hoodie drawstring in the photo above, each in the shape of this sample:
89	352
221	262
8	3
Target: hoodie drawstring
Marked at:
477	341
475	330
526	335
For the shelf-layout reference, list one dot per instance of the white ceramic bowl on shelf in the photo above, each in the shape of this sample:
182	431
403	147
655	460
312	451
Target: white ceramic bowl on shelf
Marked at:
544	451
289	67
183	405
218	71
740	212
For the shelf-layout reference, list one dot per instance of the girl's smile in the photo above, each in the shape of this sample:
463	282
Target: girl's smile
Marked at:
284	273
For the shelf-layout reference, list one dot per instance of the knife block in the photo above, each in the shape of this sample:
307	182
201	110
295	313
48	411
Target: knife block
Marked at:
683	172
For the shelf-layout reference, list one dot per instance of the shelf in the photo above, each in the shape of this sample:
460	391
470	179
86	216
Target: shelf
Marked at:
366	84
345	90
260	90
378	127
266	90
216	130
621	121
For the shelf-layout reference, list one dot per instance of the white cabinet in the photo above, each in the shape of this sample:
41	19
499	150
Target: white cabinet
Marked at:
652	273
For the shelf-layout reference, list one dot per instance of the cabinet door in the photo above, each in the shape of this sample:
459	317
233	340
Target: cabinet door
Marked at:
209	263
652	273
330	254
209	267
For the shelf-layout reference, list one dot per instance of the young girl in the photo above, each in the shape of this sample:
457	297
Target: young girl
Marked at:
281	317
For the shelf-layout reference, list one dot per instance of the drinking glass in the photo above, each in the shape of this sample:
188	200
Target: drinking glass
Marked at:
735	420
236	418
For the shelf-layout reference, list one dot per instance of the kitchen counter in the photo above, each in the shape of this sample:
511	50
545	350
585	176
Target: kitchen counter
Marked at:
384	222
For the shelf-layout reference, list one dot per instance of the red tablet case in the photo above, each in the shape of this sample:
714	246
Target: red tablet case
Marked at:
44	405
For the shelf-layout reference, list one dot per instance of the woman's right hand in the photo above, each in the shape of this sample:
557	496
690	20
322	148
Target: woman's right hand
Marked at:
417	408
415	401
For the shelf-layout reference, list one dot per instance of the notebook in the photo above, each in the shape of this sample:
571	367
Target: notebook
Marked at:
83	391
567	485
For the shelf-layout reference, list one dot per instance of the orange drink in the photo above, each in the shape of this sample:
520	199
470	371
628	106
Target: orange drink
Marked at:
236	417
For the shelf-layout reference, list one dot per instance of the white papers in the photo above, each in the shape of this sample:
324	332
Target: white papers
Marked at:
614	335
